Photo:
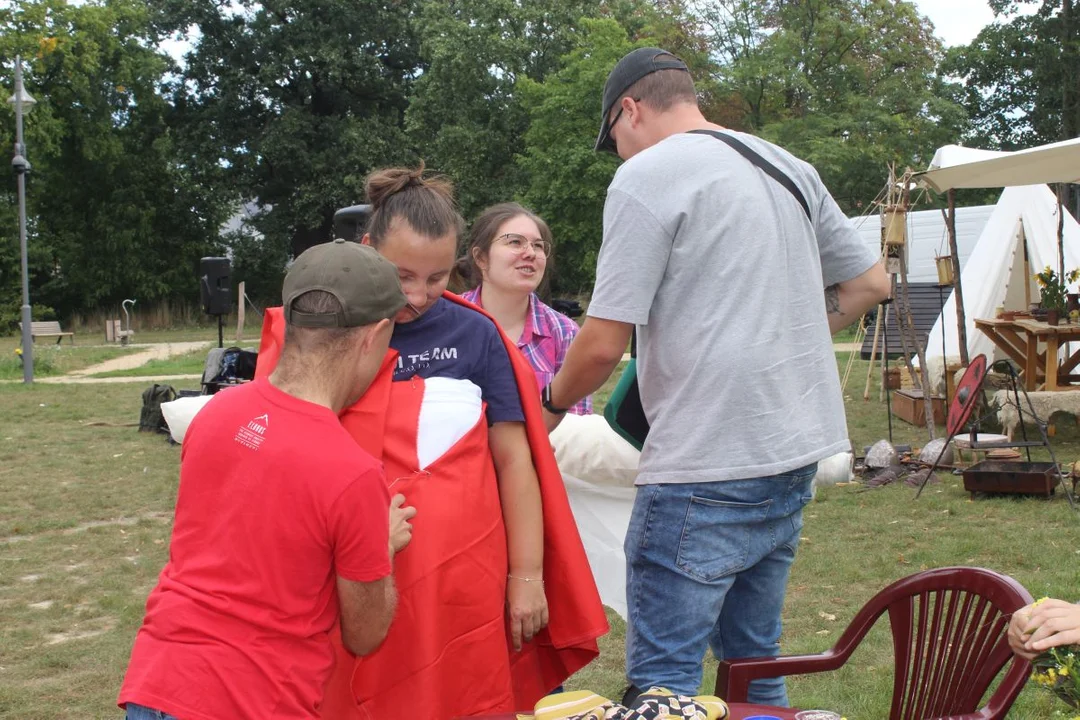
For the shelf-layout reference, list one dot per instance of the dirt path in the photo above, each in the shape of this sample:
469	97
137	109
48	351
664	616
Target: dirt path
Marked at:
76	380
159	351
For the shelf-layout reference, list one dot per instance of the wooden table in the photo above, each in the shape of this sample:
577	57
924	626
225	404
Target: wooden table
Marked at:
739	711
1035	347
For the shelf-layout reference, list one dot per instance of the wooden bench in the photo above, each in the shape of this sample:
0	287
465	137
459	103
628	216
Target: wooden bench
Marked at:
48	328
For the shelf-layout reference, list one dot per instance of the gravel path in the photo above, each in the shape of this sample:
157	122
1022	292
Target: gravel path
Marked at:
159	351
75	380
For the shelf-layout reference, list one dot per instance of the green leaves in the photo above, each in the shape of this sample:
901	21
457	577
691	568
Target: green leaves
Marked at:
848	86
139	160
1021	76
112	211
467	117
567	179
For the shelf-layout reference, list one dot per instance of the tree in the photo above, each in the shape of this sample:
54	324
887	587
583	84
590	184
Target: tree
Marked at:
299	101
1021	75
1021	78
848	85
567	178
466	113
114	214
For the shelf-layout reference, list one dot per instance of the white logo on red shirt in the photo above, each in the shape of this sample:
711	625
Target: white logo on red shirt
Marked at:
254	434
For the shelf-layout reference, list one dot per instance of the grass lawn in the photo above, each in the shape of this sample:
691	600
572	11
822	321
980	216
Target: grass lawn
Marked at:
51	359
8	343
209	333
86	504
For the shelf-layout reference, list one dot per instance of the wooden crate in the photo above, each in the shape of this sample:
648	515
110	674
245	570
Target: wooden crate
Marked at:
997	476
908	405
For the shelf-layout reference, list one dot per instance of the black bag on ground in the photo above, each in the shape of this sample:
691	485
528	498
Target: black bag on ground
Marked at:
151	419
236	364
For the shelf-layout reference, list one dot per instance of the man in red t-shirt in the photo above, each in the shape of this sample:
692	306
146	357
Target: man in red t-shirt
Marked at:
282	524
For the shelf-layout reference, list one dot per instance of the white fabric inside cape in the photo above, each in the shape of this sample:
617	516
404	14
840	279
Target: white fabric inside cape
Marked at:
449	410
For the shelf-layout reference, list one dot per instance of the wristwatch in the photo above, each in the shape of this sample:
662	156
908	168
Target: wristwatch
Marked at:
545	400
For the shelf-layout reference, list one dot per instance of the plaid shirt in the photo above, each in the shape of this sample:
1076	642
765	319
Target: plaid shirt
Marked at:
543	342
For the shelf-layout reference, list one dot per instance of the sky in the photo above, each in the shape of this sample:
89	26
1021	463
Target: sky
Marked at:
957	22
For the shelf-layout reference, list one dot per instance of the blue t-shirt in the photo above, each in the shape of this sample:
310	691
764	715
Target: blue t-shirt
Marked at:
452	341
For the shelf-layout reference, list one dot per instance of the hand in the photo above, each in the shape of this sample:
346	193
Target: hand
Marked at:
1038	627
400	527
551	420
1017	637
527	609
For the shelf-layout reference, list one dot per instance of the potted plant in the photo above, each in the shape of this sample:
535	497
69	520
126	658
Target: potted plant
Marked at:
1054	292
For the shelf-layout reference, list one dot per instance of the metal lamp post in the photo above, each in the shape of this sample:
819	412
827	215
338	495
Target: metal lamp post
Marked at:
23	103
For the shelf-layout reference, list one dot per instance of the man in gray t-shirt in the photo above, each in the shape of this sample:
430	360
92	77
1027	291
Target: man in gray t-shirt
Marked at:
735	280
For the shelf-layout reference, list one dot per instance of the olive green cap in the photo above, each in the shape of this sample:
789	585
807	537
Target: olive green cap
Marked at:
363	281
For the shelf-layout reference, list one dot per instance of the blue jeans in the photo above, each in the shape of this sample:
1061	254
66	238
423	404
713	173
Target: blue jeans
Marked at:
707	565
138	712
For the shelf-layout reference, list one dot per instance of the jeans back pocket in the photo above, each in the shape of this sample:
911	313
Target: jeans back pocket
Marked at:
716	536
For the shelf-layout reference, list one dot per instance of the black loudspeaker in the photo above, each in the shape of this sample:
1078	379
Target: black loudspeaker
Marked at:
215	292
349	222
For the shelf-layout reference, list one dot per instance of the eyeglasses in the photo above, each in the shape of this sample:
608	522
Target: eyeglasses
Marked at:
519	243
609	141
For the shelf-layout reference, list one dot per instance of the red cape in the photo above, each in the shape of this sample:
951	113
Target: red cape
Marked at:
577	616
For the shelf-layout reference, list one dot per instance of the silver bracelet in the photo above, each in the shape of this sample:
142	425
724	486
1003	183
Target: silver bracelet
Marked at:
526	579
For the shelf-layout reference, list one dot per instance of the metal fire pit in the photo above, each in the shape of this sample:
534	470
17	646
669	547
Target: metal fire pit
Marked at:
998	476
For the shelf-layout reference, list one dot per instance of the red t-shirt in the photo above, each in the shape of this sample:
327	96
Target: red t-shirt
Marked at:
275	500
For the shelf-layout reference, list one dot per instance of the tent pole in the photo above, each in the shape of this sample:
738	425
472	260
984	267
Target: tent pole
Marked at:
908	326
873	351
903	317
883	392
1061	230
944	362
1027	268
961	321
885	370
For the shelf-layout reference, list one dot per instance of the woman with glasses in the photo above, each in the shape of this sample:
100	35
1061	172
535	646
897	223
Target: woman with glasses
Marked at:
508	252
496	604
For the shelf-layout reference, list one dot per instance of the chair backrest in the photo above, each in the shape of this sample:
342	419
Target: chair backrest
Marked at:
949	629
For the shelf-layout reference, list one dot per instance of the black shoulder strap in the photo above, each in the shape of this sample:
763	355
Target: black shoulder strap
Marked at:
763	164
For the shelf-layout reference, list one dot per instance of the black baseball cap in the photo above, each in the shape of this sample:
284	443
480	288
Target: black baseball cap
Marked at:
363	281
634	66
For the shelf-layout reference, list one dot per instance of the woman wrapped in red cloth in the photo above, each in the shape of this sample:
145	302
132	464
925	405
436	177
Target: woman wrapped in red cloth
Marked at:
497	603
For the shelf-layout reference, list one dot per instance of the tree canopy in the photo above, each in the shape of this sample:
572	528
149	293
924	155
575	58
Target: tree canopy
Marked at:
1021	75
283	108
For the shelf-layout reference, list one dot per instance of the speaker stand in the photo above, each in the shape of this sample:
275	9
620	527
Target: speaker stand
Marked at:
220	332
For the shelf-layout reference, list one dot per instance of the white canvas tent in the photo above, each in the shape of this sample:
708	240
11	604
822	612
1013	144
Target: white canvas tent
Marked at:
927	237
994	273
956	167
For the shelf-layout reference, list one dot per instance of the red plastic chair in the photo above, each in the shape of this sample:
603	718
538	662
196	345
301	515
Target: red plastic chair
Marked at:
949	629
